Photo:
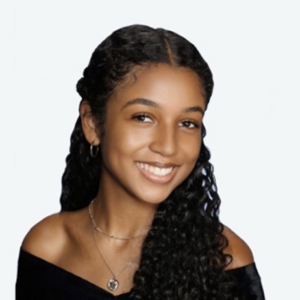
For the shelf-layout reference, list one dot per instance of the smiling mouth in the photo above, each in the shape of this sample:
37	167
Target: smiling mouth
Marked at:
155	170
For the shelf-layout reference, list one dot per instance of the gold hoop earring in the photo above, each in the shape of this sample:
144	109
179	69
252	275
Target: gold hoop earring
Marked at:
94	150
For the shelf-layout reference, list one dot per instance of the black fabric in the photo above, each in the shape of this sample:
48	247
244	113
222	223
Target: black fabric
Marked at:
40	280
249	285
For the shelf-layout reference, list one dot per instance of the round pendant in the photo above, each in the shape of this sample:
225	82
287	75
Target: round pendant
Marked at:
112	284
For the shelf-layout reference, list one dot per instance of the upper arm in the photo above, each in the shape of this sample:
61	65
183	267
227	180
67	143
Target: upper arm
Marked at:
46	238
238	249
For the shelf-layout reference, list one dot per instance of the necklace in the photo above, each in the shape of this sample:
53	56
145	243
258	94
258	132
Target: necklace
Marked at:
112	283
103	232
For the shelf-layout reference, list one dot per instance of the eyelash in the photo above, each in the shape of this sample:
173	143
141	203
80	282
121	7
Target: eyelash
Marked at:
141	118
195	125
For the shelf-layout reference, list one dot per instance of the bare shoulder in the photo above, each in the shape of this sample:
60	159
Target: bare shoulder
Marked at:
47	238
238	249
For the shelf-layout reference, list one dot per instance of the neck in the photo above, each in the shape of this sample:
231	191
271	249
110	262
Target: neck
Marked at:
122	216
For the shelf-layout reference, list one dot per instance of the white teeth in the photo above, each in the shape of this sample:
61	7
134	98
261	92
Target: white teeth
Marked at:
155	170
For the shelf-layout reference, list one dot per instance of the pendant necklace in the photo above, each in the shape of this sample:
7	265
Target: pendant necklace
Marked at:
112	283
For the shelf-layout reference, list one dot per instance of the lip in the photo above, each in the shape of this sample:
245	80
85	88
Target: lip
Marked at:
158	178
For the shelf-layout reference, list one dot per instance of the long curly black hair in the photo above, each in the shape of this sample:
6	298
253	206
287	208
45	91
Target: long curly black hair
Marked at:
182	255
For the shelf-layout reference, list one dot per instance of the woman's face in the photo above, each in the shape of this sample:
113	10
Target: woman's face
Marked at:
152	132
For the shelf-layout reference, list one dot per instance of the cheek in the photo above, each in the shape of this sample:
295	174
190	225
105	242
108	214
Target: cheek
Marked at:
191	149
119	143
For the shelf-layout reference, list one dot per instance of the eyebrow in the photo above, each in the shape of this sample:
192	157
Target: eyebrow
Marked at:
142	101
195	109
151	103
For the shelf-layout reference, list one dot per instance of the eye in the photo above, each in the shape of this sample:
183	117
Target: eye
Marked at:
143	118
188	124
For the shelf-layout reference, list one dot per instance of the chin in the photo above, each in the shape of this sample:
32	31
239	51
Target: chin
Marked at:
154	199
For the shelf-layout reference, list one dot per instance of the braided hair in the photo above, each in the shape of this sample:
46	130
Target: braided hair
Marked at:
182	255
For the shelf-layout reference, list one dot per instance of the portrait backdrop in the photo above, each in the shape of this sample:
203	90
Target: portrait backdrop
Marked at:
252	120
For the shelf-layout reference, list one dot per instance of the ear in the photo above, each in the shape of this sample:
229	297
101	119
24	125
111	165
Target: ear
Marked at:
89	126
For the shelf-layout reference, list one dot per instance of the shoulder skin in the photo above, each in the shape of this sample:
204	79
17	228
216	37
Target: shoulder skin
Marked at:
47	238
238	249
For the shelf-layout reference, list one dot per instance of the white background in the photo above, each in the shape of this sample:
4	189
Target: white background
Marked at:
253	122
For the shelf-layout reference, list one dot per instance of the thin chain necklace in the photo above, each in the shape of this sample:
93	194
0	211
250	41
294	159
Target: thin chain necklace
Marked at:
109	235
112	283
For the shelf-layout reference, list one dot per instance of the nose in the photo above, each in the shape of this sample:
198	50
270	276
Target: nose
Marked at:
164	140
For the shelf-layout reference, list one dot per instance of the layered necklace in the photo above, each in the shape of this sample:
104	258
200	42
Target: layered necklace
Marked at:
112	283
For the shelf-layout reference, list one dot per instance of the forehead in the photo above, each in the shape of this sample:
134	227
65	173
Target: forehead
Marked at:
162	83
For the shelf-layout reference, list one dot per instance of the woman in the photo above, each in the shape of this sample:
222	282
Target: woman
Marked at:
139	202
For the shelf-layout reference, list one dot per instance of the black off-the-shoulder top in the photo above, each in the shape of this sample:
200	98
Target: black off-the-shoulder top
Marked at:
40	280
